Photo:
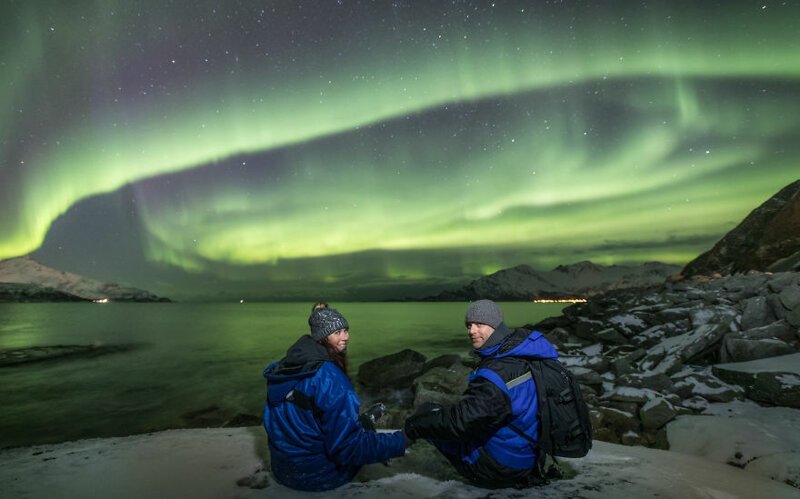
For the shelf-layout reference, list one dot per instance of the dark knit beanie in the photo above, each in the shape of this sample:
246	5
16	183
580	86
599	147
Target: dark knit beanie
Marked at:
325	321
484	312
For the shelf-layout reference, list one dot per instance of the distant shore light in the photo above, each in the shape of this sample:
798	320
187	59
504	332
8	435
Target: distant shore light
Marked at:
100	300
561	300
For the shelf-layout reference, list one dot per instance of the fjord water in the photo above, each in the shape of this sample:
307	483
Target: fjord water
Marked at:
187	358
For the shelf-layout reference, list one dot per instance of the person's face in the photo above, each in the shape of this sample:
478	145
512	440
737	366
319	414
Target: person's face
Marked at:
339	339
479	333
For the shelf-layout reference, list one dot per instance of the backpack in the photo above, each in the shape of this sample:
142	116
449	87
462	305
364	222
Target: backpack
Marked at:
564	426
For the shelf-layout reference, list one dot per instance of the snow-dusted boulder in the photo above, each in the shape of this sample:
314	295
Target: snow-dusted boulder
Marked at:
775	380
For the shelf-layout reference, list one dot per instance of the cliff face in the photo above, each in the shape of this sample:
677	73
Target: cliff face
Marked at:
24	274
768	239
581	279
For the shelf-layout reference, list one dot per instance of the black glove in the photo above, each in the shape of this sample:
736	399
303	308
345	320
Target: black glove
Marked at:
371	416
426	407
424	412
408	442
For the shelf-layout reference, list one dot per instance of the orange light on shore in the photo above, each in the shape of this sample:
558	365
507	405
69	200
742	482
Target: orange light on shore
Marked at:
561	300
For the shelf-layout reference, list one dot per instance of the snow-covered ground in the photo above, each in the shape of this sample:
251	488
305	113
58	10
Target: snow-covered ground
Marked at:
762	440
209	463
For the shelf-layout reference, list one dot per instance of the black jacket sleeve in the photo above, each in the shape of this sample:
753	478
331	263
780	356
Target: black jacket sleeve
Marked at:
482	410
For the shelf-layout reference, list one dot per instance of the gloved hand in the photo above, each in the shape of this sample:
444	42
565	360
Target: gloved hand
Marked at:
408	442
426	407
423	414
371	416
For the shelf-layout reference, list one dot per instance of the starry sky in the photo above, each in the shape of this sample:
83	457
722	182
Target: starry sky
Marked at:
354	150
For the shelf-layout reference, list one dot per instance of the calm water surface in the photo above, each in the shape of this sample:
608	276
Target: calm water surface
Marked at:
189	357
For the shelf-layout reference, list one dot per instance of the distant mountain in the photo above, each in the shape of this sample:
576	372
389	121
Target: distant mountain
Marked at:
768	239
29	280
579	280
17	292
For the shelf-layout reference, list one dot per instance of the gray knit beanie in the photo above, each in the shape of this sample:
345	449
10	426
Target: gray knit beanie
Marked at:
325	321
484	312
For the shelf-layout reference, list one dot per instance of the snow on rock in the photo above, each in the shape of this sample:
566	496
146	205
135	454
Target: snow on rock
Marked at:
766	380
740	433
208	463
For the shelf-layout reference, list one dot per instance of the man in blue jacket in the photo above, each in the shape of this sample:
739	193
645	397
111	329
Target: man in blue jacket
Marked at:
486	434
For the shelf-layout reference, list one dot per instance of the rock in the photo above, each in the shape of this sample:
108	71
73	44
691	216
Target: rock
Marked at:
19	356
780	330
712	389
790	296
587	328
631	407
630	394
793	318
619	421
604	434
670	365
621	367
775	380
656	413
779	281
653	381
756	313
696	403
776	305
395	370
441	385
442	361
631	438
628	324
739	349
596	418
695	344
611	335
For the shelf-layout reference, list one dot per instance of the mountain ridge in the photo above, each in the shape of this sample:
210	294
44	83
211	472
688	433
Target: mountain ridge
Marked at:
578	280
24	276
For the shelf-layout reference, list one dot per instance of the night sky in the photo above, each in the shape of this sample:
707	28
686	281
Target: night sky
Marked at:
345	149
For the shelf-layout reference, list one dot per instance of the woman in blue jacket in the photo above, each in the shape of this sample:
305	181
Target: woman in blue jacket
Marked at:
316	440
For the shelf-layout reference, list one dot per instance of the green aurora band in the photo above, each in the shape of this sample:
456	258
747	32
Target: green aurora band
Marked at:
699	111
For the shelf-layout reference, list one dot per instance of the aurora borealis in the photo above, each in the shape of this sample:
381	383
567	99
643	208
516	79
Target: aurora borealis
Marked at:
350	148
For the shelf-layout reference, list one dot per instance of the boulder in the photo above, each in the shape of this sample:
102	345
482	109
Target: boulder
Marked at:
793	318
790	296
756	313
396	370
630	394
653	381
619	421
776	305
780	330
656	413
775	380
586	328
740	349
443	361
612	336
441	385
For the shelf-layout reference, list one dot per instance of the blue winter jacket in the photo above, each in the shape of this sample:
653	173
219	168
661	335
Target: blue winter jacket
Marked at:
322	446
500	393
